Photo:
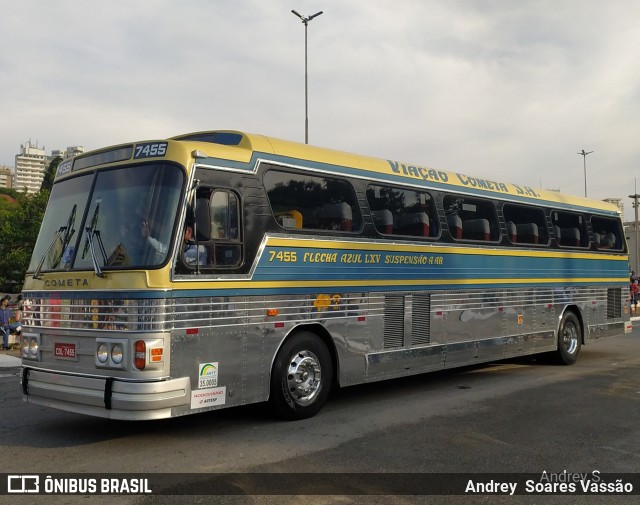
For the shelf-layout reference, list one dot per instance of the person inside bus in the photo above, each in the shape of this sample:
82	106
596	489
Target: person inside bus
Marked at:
191	253
137	239
145	232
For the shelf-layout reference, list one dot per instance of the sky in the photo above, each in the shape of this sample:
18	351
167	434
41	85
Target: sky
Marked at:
499	89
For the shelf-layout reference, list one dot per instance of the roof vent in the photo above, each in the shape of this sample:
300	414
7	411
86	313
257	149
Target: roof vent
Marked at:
224	138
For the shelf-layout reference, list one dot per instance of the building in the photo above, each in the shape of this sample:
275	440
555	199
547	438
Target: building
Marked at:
6	176
32	163
70	152
30	166
617	202
73	151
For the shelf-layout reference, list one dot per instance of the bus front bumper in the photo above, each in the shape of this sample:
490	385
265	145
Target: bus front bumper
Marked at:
105	397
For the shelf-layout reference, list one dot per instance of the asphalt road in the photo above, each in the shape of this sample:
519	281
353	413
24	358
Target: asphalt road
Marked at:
517	416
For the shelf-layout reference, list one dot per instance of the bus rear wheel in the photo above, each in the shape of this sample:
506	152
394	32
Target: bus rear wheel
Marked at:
569	339
301	378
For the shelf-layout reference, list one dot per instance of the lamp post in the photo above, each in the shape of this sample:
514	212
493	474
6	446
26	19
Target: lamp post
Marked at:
584	153
635	198
305	21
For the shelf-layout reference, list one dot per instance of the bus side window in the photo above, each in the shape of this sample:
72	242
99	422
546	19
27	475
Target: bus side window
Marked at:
471	218
573	229
526	224
607	233
406	212
312	202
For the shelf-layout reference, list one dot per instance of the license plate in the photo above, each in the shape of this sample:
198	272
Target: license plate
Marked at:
65	351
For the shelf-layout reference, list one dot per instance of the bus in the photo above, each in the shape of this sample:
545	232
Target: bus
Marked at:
220	268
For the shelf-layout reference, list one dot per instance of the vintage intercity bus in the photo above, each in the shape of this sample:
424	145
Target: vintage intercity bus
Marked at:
221	268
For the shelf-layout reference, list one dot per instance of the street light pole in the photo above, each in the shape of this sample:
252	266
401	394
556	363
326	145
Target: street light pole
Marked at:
635	197
584	153
305	20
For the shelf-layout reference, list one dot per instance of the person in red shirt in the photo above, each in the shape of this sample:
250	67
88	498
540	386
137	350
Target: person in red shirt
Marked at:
634	296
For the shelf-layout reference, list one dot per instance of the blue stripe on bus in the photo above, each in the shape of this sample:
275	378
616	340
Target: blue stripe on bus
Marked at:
336	264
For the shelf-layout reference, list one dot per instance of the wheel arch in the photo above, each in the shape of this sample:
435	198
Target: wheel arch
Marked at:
325	337
573	308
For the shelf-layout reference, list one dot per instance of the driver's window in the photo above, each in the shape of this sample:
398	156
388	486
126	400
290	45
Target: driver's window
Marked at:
225	230
219	214
220	246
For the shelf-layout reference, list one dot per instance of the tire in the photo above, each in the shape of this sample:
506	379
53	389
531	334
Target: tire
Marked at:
569	339
301	378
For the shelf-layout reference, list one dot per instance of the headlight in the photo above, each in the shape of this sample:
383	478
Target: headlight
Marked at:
102	353
30	346
111	353
33	347
117	353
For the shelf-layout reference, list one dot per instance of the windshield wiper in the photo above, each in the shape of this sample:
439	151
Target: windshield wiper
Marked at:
58	234
92	232
68	233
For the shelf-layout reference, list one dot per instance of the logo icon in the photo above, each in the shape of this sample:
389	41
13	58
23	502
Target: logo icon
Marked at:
208	375
23	484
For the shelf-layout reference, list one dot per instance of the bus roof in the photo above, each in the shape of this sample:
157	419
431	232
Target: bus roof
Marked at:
260	146
241	151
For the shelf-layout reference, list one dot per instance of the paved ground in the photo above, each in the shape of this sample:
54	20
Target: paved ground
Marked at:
9	358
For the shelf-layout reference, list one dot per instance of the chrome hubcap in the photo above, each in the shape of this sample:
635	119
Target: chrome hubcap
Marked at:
304	377
570	338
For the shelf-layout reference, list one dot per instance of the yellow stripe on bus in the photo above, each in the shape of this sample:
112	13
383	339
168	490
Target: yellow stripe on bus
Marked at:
221	284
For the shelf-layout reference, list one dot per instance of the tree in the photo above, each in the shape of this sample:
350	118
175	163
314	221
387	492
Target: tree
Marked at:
19	229
50	174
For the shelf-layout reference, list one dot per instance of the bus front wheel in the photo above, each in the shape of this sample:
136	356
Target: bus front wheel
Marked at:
301	377
569	339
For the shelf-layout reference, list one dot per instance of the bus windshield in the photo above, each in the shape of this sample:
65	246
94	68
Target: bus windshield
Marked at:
125	219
